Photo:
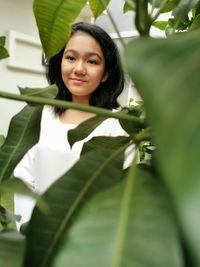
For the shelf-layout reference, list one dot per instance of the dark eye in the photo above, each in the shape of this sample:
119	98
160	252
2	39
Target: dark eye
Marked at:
70	58
93	62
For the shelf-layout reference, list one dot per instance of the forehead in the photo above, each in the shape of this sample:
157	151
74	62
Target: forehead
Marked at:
83	42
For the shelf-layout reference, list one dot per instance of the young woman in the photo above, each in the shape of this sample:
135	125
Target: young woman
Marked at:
87	71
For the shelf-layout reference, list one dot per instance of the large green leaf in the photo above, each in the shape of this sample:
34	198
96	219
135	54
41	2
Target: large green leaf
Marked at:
129	225
12	249
98	7
54	19
95	171
84	129
166	73
23	133
49	91
2	139
106	142
133	127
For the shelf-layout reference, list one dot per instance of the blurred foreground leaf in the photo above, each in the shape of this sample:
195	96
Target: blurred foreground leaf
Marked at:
166	73
128	225
12	248
65	199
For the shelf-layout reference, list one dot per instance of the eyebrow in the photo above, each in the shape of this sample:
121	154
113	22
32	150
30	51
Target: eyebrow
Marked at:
88	53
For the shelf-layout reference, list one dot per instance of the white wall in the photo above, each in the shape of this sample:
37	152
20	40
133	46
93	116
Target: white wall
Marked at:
17	15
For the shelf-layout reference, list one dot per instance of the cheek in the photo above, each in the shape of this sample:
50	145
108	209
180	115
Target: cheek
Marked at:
98	75
64	71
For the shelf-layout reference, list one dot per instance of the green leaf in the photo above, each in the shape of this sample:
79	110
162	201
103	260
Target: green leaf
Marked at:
129	126
84	129
170	5
196	23
156	3
128	225
2	139
160	24
49	91
14	185
7	217
98	7
3	51
169	84
128	6
54	19
65	199
68	104
106	142
23	133
2	40
197	9
12	249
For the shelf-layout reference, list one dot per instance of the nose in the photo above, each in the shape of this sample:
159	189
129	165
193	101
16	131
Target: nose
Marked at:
80	68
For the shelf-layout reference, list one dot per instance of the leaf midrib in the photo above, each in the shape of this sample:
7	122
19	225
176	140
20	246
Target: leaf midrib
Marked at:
123	218
16	148
76	203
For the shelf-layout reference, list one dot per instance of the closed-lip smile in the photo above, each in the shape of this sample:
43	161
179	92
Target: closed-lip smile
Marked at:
77	79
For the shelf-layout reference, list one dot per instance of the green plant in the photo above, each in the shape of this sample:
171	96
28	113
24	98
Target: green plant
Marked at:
146	215
3	50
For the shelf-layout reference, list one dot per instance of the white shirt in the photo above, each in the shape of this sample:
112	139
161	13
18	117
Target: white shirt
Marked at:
52	156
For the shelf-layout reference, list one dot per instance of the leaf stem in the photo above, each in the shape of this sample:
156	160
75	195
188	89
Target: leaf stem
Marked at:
67	104
145	135
113	24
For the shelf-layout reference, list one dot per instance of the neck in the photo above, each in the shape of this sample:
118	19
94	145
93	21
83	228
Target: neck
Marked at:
81	100
75	116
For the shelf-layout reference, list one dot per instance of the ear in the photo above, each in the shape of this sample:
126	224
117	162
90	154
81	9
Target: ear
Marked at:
105	77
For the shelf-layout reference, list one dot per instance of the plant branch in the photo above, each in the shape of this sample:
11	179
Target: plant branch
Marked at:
145	135
159	10
113	24
67	104
142	19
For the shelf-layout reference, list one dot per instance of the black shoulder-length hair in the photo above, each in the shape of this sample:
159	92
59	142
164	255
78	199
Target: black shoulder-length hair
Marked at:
107	92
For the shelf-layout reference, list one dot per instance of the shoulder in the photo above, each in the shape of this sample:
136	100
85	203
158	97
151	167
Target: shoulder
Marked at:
114	127
48	114
111	127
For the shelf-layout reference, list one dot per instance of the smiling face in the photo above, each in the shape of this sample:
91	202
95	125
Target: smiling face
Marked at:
82	66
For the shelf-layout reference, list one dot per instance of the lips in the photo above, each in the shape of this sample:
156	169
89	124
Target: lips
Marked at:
77	81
